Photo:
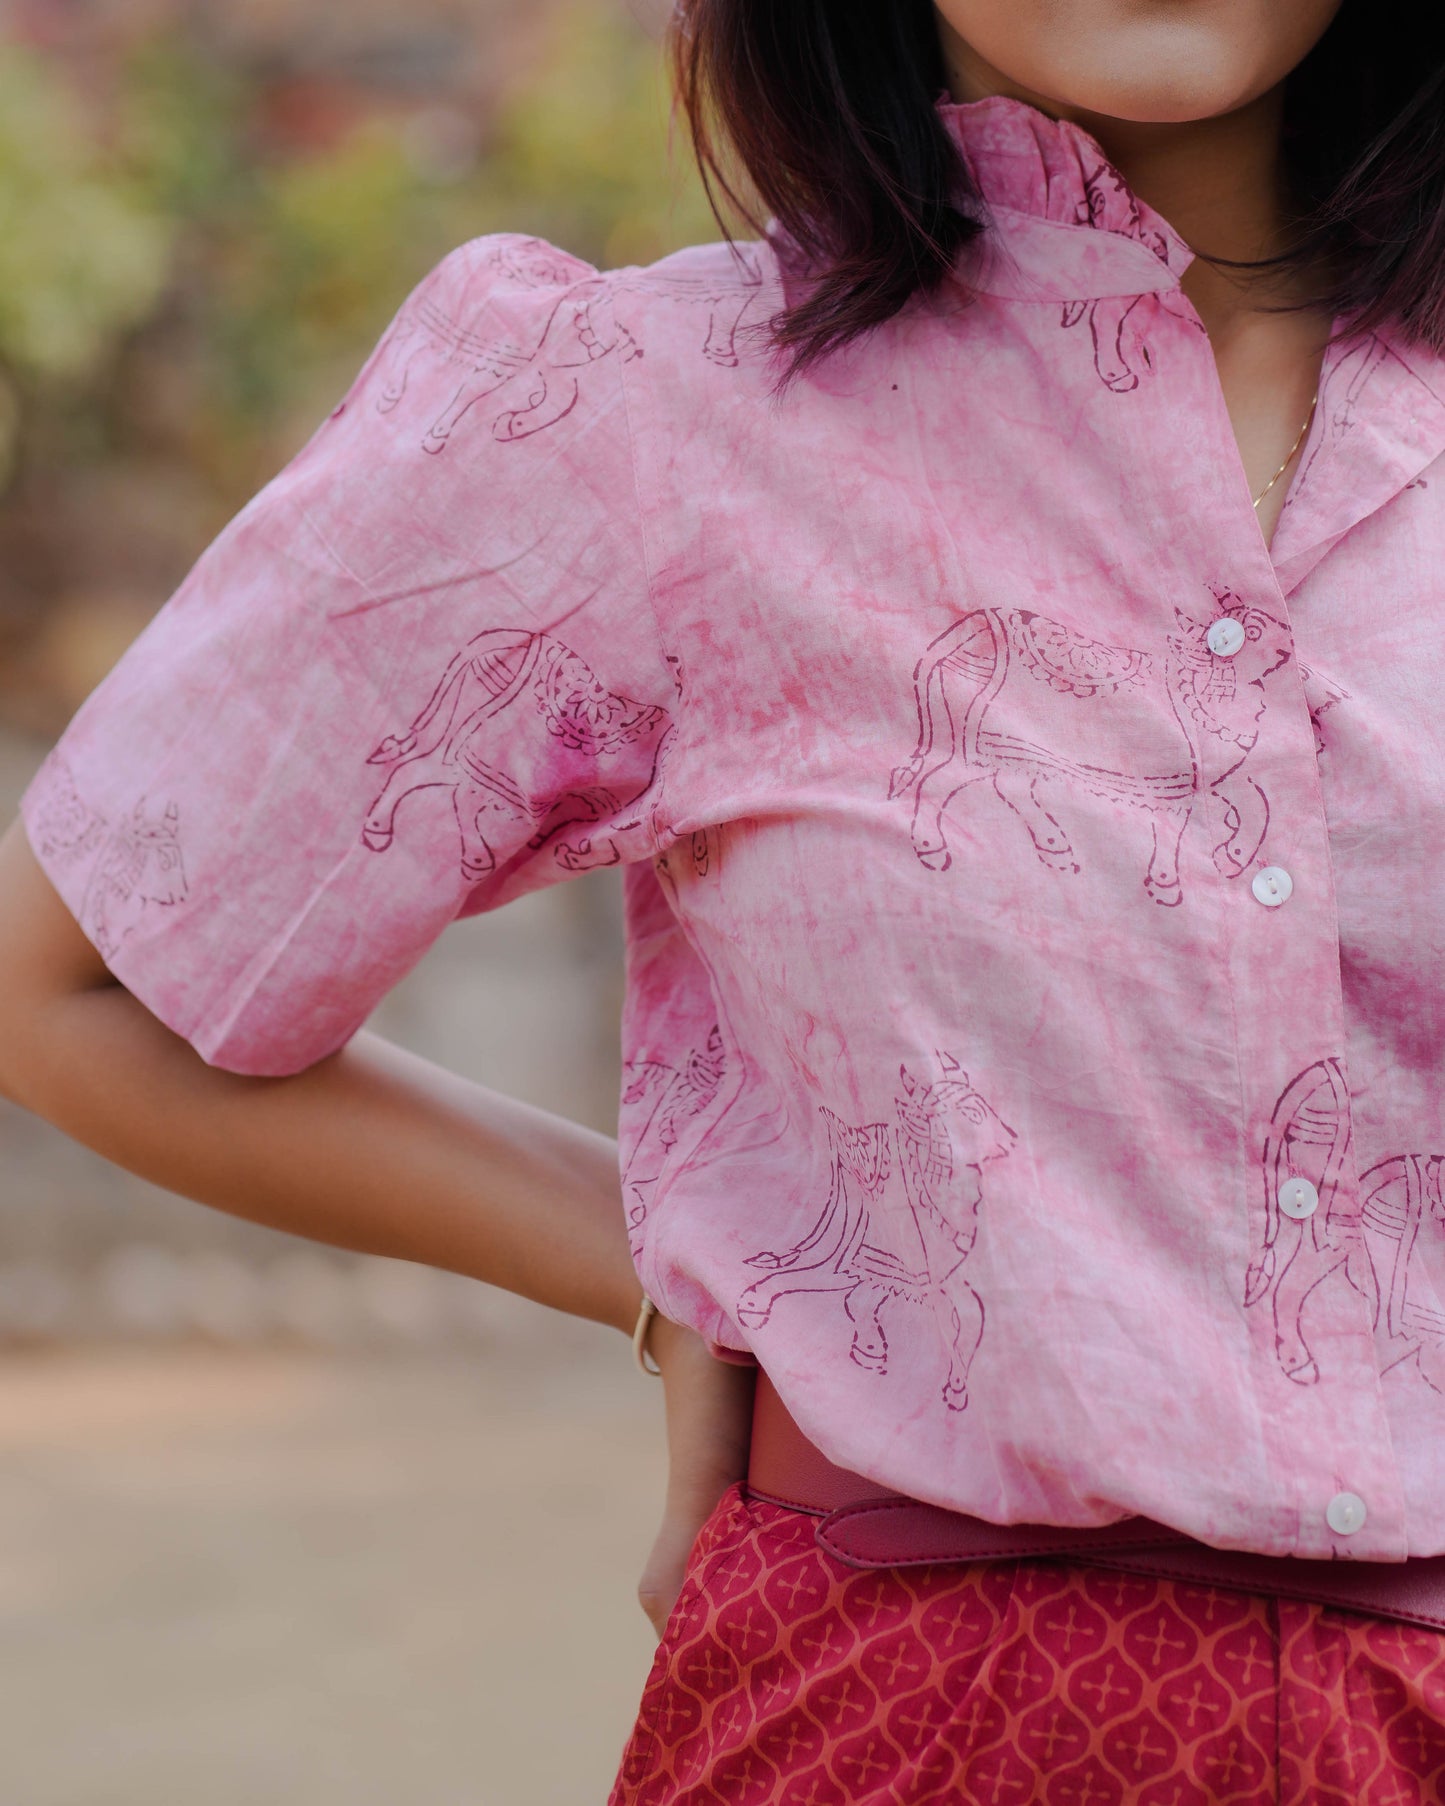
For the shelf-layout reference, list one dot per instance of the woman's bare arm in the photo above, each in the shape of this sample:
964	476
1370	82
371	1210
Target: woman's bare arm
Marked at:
372	1148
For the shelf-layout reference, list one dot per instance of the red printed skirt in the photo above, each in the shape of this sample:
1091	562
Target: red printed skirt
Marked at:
787	1679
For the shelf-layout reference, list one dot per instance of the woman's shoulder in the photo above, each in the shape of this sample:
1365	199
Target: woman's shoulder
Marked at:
520	263
693	305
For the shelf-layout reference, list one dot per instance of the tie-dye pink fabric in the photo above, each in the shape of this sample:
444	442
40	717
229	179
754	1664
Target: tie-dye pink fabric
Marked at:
961	737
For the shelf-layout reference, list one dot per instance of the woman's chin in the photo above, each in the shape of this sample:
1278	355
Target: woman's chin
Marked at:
1151	86
1146	61
1160	101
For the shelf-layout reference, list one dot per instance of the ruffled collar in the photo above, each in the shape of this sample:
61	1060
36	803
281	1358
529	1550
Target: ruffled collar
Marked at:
1065	224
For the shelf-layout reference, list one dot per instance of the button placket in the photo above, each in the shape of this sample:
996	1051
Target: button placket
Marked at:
1272	886
1319	1370
1225	637
1345	1513
1312	1377
1298	1198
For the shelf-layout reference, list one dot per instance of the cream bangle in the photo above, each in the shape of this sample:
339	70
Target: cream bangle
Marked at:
645	1315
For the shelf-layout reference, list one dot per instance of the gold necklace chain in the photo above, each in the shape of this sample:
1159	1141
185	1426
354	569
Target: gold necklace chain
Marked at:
1292	450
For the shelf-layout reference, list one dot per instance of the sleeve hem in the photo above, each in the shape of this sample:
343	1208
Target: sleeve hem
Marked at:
202	1032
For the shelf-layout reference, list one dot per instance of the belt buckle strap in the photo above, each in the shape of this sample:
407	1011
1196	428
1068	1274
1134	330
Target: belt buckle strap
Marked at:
899	1532
864	1525
887	1533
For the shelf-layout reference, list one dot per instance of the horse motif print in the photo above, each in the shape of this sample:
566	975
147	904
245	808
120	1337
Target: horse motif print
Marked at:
1308	1138
66	829
1391	1249
1320	695
1404	1229
534	385
1109	205
508	703
1339	405
1108	318
723	300
136	864
663	1100
873	1252
141	865
1031	704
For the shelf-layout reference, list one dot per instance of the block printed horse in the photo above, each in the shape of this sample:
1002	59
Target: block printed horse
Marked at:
66	829
1321	695
871	1250
141	864
1029	703
658	1103
133	866
534	385
1403	1220
1105	194
724	298
1309	1137
1343	390
519	729
1107	319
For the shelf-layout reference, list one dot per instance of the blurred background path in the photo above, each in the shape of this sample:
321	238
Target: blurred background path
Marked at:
235	1579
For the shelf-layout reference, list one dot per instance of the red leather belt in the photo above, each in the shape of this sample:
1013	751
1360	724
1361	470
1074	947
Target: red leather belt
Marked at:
866	1526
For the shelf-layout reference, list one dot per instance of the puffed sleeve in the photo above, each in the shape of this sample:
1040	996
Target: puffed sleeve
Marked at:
417	675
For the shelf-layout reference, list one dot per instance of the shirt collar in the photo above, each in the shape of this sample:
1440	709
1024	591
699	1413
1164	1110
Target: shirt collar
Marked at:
1064	225
1379	425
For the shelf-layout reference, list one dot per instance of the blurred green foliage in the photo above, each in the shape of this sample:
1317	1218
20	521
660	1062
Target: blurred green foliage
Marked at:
260	274
83	253
582	150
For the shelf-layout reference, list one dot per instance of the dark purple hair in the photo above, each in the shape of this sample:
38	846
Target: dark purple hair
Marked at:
827	107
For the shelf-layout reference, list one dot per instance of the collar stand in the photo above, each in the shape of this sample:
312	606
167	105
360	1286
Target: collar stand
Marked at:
1064	223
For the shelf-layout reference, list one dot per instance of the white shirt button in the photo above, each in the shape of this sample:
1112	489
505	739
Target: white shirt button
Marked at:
1298	1199
1272	886
1225	637
1345	1513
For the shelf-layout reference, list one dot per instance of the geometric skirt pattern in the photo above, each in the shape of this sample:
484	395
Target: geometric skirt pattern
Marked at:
785	1678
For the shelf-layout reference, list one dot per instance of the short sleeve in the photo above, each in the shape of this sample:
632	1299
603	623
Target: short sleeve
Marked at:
417	675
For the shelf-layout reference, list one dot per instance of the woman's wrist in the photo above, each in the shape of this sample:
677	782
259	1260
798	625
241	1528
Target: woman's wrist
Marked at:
668	1342
709	1414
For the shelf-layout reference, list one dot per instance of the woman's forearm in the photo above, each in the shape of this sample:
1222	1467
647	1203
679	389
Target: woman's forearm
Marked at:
373	1148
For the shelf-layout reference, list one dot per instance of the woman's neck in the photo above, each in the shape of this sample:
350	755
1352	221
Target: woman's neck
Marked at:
1217	181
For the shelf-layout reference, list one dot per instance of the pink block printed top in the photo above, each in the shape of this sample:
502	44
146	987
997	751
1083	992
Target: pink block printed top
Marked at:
1036	889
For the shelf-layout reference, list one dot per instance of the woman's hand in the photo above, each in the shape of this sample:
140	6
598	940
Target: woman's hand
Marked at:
709	1421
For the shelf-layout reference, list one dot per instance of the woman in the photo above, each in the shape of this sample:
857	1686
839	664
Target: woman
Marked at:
1001	641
